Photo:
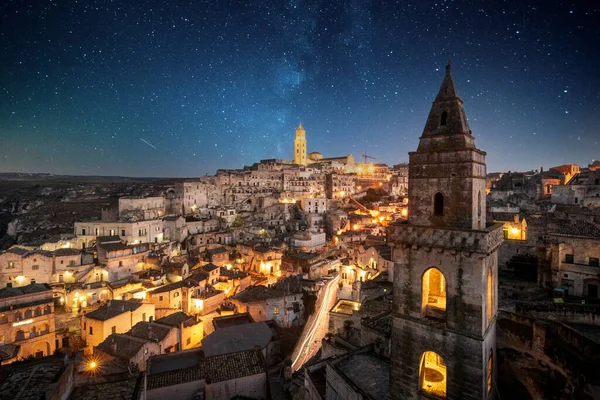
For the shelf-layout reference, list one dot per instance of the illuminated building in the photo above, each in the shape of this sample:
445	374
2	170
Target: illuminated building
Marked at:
300	146
446	259
27	325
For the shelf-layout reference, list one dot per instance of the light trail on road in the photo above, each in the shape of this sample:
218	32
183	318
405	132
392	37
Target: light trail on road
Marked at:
314	325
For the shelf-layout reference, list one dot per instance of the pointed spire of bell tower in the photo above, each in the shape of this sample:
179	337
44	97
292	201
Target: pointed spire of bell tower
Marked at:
447	123
448	89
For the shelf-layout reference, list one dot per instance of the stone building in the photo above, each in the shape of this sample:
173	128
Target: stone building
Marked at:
571	254
300	146
26	322
116	316
446	278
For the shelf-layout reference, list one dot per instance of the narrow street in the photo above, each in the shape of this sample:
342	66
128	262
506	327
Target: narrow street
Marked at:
316	326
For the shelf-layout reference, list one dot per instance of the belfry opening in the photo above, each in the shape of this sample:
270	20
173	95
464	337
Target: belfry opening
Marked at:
434	294
432	375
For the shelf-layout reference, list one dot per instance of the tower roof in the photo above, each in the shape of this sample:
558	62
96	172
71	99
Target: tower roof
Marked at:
447	126
300	128
448	89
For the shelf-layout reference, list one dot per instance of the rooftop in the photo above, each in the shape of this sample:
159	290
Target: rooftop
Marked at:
366	371
149	331
35	376
177	318
237	338
215	369
121	345
381	323
114	308
344	306
232	320
23	290
120	389
167	288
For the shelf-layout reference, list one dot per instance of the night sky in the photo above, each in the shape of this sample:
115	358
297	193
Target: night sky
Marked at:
159	88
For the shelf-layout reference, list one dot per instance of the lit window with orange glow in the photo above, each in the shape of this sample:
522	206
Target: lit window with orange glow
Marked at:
490	295
433	293
490	368
432	375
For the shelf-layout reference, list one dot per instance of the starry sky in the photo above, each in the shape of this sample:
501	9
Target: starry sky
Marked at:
179	89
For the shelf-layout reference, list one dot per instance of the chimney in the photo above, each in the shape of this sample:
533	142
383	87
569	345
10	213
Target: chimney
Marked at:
113	346
109	303
33	281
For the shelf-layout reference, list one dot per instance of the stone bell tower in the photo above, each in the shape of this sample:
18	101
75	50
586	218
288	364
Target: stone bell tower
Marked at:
300	146
446	266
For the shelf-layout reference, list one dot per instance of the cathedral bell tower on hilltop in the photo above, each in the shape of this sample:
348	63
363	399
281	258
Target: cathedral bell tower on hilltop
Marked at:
446	266
300	146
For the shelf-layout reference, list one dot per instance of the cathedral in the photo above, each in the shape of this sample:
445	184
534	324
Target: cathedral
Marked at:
446	265
345	163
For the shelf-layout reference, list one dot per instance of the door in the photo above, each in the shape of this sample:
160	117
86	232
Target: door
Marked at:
593	291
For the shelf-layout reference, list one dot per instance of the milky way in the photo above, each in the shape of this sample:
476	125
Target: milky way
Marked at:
221	84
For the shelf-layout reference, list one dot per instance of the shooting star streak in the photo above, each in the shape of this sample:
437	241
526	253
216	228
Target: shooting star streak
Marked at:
148	143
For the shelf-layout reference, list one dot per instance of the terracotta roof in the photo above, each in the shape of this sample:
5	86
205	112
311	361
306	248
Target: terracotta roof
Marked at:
113	308
214	369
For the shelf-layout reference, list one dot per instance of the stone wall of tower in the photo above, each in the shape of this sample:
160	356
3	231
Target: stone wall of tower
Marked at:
460	176
465	338
300	146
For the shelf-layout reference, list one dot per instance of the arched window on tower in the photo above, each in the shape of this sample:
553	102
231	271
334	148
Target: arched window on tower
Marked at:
438	204
432	375
490	295
444	118
490	370
433	294
479	204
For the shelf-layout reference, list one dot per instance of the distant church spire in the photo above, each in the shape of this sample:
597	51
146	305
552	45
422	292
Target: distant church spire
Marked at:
300	146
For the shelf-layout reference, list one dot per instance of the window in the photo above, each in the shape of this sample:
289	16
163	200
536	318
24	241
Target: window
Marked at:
97	231
490	371
160	298
120	263
569	258
144	317
296	307
35	267
112	232
84	326
432	375
433	292
438	204
275	310
490	295
188	341
444	118
176	294
594	262
91	330
71	263
10	265
479	204
113	330
83	232
122	232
